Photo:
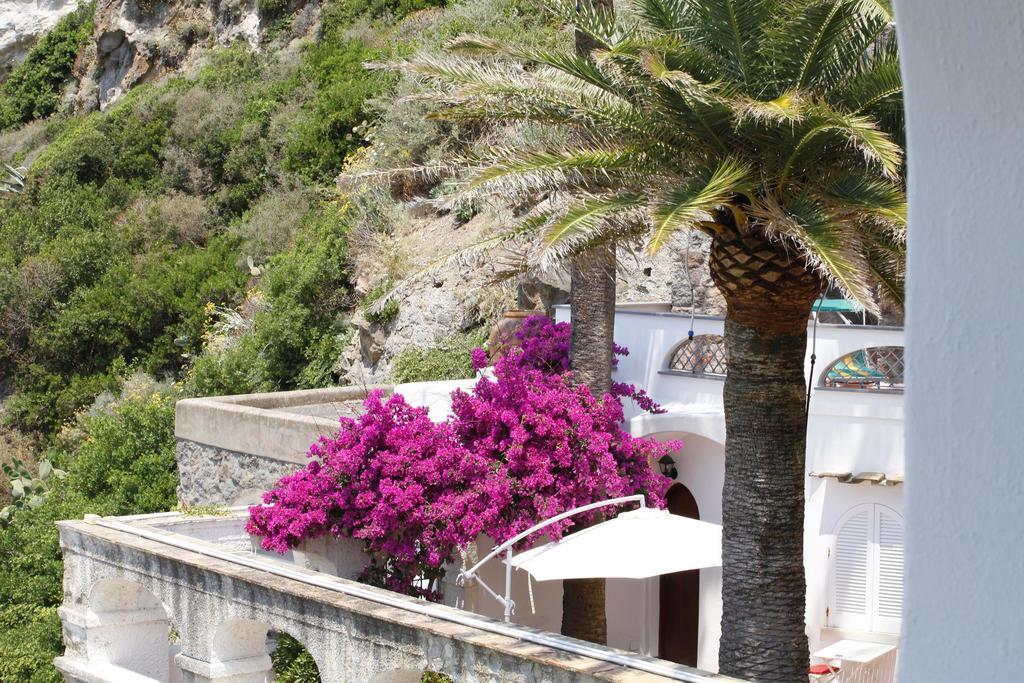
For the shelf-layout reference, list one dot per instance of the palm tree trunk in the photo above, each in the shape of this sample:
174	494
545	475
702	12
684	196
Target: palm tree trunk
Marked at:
764	589
593	324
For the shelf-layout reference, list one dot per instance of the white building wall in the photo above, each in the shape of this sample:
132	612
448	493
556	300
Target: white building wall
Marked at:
964	615
848	431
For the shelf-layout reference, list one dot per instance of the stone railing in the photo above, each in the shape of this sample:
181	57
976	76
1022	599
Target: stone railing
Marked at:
175	598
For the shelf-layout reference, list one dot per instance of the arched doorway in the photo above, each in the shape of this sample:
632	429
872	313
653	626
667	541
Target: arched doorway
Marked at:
679	614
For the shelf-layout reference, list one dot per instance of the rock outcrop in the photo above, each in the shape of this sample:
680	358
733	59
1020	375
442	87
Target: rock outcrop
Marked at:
136	41
459	295
22	22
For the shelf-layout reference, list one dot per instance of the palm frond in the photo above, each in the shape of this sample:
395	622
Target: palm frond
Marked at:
860	132
878	9
669	16
579	68
587	217
600	163
360	180
683	207
467	256
827	244
887	261
881	83
873	196
604	28
786	108
729	29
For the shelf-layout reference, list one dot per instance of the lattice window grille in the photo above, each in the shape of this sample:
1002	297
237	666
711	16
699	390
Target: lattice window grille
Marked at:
704	354
877	368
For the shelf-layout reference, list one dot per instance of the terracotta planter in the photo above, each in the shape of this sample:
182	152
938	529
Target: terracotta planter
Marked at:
504	331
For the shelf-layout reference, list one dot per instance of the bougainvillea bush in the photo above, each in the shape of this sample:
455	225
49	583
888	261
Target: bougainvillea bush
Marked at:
545	346
558	447
519	448
401	483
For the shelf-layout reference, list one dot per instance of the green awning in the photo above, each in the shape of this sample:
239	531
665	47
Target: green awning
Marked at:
838	305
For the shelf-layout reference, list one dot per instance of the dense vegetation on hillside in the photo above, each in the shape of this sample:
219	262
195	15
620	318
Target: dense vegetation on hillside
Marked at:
188	241
34	89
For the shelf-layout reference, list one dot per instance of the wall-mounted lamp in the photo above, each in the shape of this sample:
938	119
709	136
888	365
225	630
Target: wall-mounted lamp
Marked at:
668	466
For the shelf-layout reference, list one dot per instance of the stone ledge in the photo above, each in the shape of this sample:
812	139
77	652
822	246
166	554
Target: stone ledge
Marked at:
370	630
266	425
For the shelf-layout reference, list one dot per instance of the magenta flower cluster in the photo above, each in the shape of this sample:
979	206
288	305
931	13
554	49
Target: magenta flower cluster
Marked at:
519	448
555	446
392	478
545	346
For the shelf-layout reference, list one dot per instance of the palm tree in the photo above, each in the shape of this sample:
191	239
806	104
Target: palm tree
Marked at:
592	309
774	126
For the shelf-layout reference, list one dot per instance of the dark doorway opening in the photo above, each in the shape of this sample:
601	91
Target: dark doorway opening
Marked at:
679	615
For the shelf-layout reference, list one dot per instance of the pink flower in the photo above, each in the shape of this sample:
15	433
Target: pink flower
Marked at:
519	448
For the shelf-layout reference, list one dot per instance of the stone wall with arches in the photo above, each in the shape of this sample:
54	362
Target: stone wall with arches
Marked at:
141	610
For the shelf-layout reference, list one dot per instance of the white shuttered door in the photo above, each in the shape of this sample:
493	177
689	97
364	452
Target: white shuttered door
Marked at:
867	570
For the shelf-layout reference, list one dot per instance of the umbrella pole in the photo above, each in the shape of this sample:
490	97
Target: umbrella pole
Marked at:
644	646
508	584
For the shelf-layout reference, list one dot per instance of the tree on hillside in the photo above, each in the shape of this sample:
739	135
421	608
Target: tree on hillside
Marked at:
774	127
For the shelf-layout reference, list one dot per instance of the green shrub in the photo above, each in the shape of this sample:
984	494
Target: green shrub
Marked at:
272	9
31	637
270	226
292	662
33	88
240	369
384	314
435	677
298	331
168	219
324	133
120	462
16	447
148	311
450	360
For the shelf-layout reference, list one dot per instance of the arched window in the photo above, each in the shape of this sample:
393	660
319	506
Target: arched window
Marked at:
867	570
702	355
877	368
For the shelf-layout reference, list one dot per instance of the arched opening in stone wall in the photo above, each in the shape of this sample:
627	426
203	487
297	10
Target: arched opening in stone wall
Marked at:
130	629
250	649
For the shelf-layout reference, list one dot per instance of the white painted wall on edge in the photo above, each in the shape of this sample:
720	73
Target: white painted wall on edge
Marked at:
964	609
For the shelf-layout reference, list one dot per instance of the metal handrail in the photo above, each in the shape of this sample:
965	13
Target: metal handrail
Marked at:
507	602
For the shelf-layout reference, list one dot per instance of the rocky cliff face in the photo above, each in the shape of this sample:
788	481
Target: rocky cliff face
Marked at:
137	41
22	22
459	295
141	40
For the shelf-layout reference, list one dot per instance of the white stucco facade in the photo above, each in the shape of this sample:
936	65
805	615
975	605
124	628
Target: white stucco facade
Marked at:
848	431
964	615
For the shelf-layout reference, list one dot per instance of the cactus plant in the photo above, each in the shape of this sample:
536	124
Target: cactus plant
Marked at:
27	491
13	179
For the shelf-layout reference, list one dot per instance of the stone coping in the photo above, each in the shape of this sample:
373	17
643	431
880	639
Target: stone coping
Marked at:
279	425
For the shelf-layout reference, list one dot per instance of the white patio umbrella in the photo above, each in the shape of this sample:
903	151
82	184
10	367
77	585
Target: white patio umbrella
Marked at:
635	545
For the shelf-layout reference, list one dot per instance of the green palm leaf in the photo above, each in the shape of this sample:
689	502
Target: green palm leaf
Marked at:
827	243
787	112
681	208
588	217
